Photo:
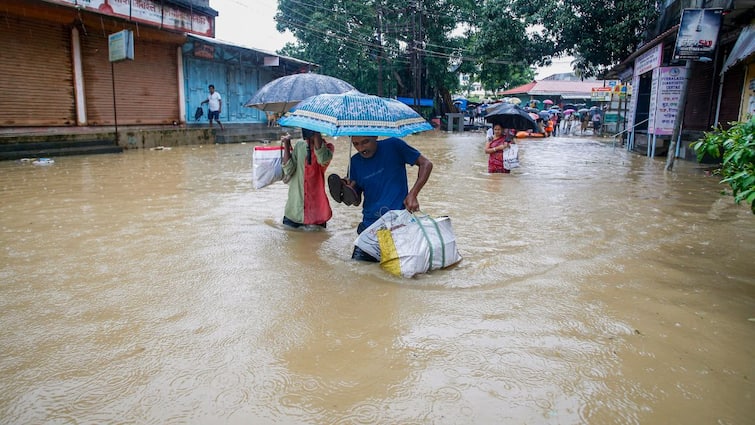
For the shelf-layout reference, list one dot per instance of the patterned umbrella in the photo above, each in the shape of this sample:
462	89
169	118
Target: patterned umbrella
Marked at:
284	93
355	114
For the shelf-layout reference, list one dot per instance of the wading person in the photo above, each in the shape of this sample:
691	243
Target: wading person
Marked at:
501	141
304	167
378	174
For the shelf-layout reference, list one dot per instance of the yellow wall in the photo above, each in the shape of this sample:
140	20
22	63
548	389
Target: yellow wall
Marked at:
747	110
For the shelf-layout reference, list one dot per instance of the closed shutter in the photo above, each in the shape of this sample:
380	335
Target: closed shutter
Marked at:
146	88
697	114
731	95
37	77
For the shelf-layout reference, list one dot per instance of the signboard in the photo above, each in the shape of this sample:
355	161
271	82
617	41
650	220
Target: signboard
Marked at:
601	94
649	60
121	46
668	83
153	12
271	61
698	34
633	103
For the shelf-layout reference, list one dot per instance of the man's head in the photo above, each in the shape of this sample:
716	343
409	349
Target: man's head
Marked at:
212	88
365	145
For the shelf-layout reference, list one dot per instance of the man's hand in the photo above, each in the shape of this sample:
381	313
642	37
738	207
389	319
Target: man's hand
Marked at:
411	203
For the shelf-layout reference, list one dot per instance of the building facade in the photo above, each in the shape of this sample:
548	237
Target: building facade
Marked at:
714	81
58	71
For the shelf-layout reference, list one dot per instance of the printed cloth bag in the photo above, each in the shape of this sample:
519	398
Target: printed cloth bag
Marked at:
511	157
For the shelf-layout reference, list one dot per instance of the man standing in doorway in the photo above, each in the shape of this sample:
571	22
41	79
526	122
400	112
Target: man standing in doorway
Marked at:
215	105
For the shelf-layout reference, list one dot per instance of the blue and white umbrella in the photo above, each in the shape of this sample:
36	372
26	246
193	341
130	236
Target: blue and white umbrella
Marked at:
355	114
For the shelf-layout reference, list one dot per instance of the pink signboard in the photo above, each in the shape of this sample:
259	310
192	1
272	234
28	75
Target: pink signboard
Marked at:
668	82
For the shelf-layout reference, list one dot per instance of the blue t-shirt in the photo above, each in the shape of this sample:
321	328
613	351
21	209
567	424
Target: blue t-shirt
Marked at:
382	178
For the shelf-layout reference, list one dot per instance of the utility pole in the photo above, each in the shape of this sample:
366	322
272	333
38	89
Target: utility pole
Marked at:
380	51
420	45
417	54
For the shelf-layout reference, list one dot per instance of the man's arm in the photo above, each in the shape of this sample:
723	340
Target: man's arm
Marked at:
425	168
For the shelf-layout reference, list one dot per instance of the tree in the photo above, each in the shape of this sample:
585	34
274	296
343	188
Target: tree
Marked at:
736	147
600	33
504	48
389	46
413	47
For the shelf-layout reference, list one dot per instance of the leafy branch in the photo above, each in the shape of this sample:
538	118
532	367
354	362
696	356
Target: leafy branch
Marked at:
736	147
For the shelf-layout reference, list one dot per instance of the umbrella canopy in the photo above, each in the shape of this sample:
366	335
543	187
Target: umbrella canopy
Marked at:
511	116
545	115
583	110
569	111
355	114
548	102
534	115
284	93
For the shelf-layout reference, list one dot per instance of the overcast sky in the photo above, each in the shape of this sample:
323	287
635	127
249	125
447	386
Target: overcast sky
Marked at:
250	23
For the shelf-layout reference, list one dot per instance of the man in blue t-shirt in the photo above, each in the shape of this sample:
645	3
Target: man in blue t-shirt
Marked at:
378	171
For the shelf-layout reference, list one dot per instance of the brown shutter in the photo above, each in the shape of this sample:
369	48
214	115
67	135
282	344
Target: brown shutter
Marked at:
731	95
37	77
699	111
146	88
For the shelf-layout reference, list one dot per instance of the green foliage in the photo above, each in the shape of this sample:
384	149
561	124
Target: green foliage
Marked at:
599	34
736	147
380	46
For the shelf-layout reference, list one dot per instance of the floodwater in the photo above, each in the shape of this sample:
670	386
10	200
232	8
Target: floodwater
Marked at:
158	287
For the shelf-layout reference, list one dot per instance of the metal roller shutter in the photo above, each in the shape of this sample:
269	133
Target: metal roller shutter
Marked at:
731	95
697	115
146	88
37	77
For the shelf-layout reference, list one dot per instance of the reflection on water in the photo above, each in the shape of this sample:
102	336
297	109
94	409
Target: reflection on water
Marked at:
159	287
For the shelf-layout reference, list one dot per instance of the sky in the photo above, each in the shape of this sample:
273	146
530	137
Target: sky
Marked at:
250	23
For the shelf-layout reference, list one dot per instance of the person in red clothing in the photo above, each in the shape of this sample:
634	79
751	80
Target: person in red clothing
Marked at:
304	167
502	140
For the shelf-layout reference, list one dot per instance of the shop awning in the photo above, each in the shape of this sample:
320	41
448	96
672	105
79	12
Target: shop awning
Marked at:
743	48
410	101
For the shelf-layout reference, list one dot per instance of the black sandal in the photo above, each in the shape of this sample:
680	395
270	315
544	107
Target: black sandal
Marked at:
342	192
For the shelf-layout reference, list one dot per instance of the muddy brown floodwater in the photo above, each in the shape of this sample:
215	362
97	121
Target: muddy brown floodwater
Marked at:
157	287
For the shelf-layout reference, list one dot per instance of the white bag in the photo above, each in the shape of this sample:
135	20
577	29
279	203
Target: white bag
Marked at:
267	165
511	157
407	244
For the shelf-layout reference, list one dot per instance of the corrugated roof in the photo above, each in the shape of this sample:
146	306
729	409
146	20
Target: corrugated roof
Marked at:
523	89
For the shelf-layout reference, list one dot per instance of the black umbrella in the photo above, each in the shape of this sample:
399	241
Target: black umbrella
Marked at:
284	93
511	116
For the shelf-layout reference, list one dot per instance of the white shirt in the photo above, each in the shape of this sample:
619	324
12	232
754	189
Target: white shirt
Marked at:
214	101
